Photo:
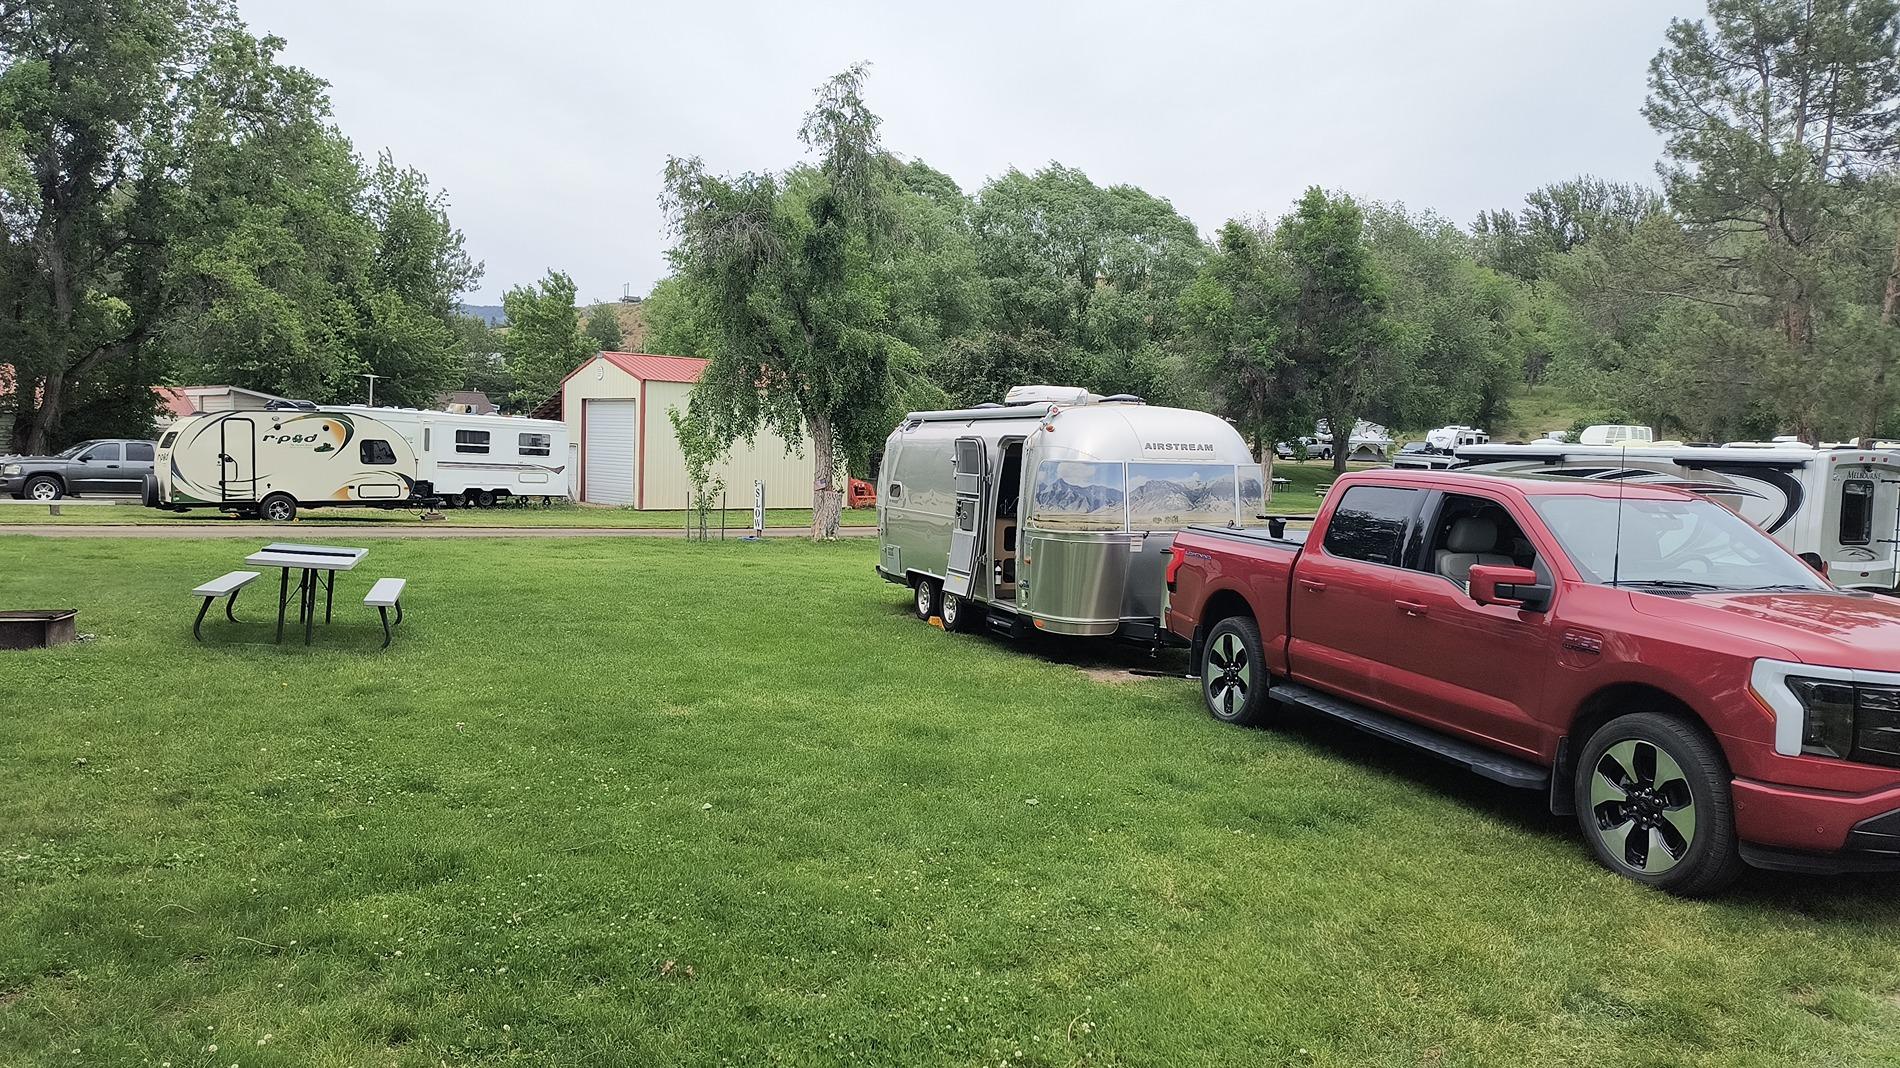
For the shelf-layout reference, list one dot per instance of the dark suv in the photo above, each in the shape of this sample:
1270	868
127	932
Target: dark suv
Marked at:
115	467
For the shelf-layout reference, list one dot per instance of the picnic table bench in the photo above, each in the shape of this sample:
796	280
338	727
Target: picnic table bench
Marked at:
226	585
384	595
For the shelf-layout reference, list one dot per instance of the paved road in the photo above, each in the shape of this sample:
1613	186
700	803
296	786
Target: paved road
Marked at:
346	533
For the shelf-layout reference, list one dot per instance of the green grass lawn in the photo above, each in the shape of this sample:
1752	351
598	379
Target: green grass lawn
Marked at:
644	803
558	515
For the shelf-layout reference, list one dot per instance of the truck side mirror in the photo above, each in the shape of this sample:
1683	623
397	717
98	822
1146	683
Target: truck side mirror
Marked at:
1508	587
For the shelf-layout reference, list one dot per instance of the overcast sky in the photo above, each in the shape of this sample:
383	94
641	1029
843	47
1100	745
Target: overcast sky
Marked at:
549	122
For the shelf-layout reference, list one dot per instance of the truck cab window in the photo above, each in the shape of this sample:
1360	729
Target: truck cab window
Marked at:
376	451
1369	523
1472	530
138	451
1857	512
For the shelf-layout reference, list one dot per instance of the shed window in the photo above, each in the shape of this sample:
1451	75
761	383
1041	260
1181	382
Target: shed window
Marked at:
376	451
536	444
1857	512
471	441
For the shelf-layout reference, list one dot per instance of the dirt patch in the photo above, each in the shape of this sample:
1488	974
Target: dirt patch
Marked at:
1114	676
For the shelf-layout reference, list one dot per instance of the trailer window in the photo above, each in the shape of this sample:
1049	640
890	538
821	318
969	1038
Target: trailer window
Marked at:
1253	495
536	444
471	441
1857	512
376	451
1078	495
166	441
1169	496
1369	523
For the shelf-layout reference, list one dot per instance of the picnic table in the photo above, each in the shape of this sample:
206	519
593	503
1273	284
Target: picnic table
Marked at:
319	565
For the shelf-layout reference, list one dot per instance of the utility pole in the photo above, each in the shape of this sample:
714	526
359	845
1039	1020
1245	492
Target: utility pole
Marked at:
372	387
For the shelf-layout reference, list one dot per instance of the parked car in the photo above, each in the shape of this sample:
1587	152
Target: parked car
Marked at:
104	467
1694	693
1316	449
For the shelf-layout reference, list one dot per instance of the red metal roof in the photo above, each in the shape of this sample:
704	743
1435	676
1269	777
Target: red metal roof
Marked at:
653	368
174	400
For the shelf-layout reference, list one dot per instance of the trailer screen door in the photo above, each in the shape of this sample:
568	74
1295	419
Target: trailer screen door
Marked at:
964	542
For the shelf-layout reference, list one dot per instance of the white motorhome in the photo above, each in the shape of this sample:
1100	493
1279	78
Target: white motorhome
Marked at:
1054	510
1841	505
1616	434
295	454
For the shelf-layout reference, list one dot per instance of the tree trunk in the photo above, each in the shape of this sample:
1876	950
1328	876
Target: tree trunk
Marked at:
1342	441
1878	403
827	501
1266	477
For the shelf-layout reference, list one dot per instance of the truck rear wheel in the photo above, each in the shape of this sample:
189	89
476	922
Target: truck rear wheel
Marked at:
1652	798
1234	672
926	602
278	507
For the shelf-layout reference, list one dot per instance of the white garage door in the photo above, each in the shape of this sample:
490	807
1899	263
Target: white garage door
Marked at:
607	476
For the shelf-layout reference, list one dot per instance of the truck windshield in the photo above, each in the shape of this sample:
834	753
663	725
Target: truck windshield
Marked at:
1670	545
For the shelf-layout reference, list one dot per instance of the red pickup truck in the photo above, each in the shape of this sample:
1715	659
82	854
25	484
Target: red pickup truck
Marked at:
1698	697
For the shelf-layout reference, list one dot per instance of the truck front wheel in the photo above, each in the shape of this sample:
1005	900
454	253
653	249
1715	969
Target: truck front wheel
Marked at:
1234	672
1652	798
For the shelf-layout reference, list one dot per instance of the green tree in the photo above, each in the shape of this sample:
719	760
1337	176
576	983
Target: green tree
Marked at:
603	328
794	272
1775	113
483	367
1336	331
544	340
1237	314
1557	219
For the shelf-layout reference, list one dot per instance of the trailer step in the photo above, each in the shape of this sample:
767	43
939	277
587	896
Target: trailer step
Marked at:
1486	762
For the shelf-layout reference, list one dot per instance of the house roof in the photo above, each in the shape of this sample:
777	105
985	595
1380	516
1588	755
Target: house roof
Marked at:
175	401
654	368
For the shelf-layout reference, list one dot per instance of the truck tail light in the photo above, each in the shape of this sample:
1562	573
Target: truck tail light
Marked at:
1176	554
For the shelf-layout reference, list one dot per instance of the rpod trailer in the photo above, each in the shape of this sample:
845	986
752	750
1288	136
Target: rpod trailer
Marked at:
1054	510
295	454
1841	505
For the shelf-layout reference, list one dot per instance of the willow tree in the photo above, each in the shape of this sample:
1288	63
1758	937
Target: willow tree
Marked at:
804	334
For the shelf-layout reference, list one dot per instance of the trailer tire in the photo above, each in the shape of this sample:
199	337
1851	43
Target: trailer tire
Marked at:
278	507
924	601
959	613
484	498
1234	673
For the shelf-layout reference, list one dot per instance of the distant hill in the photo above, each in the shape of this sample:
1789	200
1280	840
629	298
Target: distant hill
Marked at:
488	313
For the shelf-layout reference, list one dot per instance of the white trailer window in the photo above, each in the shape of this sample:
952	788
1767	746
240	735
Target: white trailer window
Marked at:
1169	496
376	452
1253	495
1078	495
536	444
471	441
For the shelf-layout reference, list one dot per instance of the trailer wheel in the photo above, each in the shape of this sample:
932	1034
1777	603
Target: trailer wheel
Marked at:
278	508
484	498
1652	799
926	602
958	613
1234	672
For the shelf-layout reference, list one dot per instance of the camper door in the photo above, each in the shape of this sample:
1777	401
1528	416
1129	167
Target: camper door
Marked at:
971	466
1861	524
237	460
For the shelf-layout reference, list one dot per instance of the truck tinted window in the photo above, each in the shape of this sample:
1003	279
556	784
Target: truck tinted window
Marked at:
1370	523
139	450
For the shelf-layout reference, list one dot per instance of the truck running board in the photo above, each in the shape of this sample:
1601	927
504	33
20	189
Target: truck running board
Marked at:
1492	765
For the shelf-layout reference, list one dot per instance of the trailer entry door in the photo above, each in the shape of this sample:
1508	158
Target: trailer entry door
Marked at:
237	460
970	483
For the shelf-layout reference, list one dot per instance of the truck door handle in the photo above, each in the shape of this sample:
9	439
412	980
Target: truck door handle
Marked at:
1411	608
1315	586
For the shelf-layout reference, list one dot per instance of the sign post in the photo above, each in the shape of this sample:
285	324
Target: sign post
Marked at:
758	508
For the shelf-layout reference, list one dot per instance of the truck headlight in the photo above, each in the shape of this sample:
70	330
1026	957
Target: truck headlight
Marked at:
11	469
1837	712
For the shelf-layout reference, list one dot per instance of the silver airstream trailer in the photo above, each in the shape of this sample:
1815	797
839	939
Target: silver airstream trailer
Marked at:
1055	509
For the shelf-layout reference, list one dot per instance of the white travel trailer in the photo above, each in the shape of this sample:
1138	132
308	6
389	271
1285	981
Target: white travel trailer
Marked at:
479	459
1056	509
1841	505
295	454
